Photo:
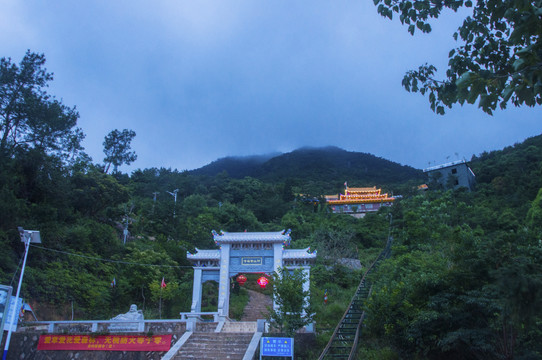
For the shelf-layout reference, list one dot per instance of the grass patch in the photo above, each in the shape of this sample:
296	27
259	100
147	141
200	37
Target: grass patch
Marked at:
238	301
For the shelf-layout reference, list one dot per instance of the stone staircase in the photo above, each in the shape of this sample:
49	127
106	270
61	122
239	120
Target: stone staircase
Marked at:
233	340
240	327
257	306
215	346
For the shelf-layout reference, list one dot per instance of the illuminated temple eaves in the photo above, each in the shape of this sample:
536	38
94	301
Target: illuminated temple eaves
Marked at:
358	201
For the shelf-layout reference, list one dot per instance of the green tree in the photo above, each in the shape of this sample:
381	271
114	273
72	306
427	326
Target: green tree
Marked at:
534	216
117	149
94	193
163	295
135	279
499	61
29	116
293	304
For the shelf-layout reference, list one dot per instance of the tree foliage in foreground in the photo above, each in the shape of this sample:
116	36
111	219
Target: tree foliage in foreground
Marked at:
499	61
293	304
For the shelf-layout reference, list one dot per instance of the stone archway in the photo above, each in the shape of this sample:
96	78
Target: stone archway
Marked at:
247	252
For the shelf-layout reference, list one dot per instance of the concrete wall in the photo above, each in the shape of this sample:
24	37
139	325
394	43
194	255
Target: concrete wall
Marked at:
24	345
454	176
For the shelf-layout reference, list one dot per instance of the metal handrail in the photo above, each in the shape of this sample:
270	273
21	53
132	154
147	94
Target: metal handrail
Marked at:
356	339
383	254
346	312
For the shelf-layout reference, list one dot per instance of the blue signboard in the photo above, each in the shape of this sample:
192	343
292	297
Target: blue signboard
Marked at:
251	260
5	296
275	346
13	307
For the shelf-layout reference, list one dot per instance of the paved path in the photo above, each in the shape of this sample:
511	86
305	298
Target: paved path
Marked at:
257	306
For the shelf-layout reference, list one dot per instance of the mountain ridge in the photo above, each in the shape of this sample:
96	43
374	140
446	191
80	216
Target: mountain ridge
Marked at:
329	164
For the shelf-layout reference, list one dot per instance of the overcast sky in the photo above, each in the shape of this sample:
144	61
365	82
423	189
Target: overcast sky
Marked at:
200	80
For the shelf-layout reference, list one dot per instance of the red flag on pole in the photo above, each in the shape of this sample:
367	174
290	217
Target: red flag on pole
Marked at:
163	285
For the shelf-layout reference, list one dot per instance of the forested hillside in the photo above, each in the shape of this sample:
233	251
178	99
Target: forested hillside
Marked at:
315	169
235	166
463	280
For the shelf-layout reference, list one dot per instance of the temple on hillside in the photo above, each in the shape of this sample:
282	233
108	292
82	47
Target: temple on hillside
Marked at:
358	201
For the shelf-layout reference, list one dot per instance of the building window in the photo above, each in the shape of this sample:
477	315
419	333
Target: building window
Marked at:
454	171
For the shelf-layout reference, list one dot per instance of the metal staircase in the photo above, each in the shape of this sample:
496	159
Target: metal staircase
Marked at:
344	341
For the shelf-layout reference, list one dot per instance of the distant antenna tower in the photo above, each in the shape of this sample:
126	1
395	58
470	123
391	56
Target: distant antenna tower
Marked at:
174	194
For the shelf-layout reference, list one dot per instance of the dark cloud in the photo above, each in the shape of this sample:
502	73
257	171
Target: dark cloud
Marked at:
206	79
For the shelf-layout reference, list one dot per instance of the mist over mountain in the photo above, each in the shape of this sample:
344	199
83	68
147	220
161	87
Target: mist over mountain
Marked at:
327	164
236	166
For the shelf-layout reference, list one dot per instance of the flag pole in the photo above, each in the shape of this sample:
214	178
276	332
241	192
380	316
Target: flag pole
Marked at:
160	305
162	286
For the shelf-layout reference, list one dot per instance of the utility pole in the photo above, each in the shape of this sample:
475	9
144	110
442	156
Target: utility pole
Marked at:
174	194
154	200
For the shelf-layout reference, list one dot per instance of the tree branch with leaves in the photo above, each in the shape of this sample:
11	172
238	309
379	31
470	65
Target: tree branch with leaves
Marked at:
117	149
499	61
31	118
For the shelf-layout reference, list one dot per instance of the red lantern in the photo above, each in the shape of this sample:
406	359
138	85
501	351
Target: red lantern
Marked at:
241	279
262	281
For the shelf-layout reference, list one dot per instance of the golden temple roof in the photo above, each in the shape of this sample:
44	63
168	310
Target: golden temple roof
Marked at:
363	189
360	195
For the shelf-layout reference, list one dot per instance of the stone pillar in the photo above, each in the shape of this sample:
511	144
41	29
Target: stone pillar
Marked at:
196	292
307	282
224	282
277	256
306	286
277	263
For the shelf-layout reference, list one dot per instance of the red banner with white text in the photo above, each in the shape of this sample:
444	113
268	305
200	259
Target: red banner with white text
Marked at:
105	342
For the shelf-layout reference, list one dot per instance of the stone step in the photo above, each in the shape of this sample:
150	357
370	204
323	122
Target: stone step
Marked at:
240	327
257	307
214	346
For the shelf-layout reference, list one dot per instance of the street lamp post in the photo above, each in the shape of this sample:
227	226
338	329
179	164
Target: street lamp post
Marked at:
174	194
154	200
27	236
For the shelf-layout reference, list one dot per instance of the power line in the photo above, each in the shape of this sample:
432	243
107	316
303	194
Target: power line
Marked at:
109	260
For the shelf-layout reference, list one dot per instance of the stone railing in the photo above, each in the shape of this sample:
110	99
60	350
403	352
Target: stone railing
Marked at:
109	326
186	316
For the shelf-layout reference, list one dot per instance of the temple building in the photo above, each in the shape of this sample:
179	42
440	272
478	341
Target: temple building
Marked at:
358	201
